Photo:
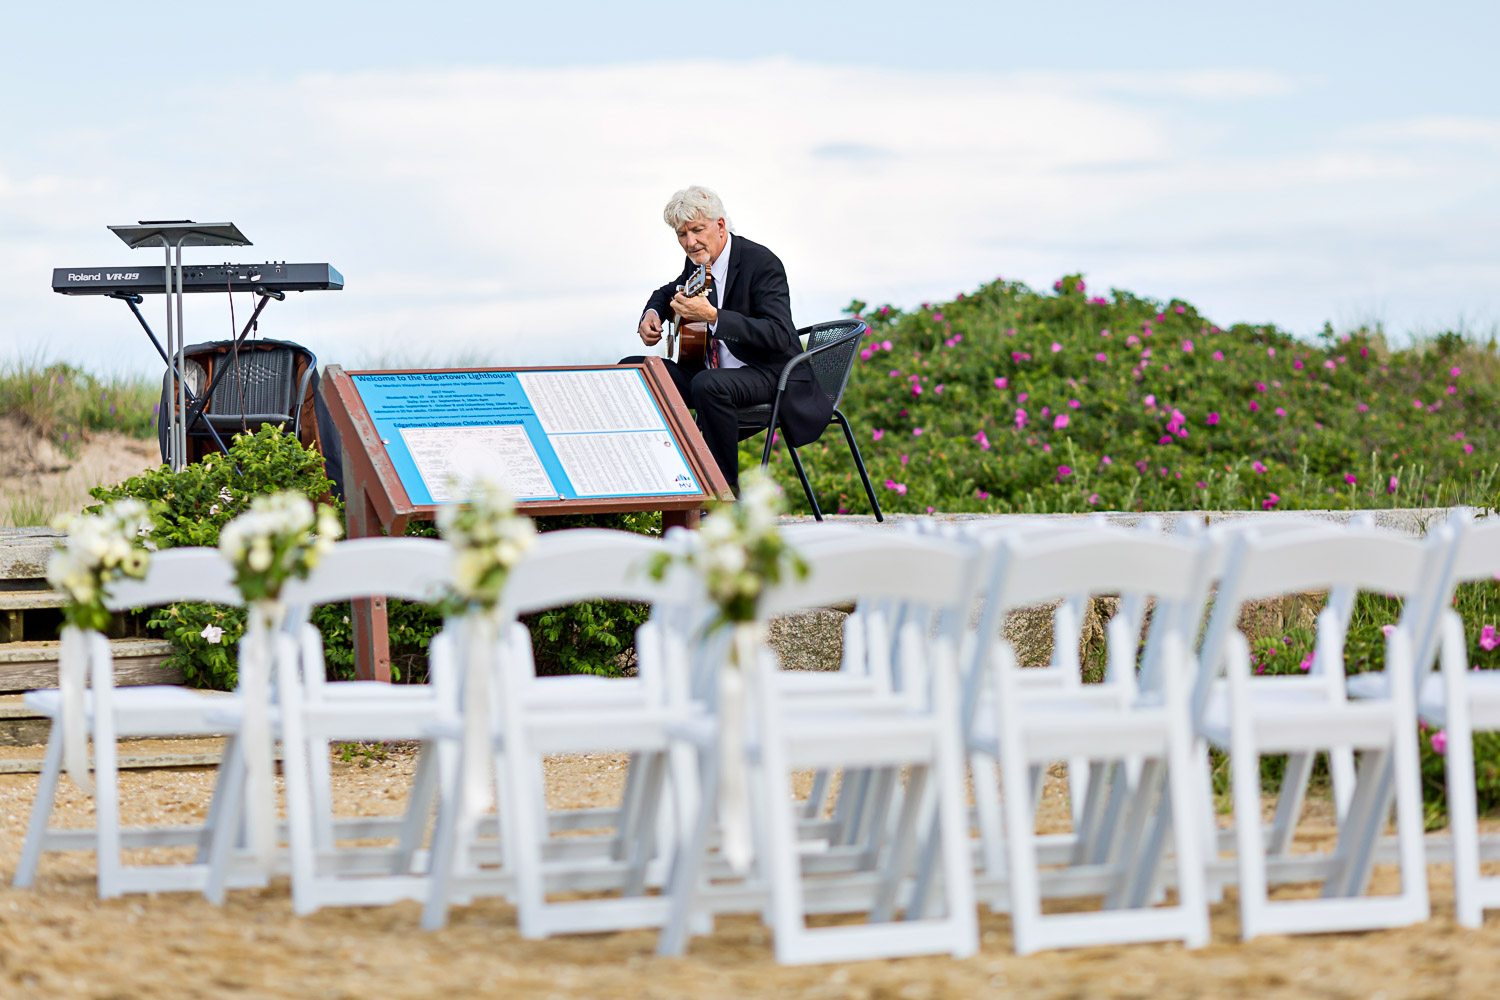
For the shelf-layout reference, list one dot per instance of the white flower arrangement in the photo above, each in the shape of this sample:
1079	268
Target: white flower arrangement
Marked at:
99	549
488	537
279	538
740	552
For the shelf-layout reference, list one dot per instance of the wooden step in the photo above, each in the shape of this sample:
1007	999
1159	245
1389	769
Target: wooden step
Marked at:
25	666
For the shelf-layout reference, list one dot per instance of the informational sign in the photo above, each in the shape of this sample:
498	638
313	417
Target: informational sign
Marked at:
563	434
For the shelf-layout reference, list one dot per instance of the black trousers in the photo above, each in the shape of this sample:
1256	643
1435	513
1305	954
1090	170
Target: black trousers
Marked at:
717	394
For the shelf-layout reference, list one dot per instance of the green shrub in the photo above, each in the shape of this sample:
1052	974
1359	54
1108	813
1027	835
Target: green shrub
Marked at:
63	403
1008	399
190	508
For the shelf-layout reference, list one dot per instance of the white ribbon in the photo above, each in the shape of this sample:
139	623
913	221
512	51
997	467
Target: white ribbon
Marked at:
72	669
479	645
258	649
734	790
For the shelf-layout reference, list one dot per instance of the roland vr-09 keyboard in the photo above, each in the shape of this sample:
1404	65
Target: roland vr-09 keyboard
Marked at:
271	277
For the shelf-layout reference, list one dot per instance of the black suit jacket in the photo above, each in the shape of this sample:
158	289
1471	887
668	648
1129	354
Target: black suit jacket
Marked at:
755	320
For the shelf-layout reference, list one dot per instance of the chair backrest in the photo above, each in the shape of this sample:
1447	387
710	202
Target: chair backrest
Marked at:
254	383
411	569
1351	559
565	567
832	367
187	574
1478	558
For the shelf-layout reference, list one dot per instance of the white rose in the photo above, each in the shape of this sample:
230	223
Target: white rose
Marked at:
212	633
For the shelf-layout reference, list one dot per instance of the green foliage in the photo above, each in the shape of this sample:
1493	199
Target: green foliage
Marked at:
1010	400
595	637
190	508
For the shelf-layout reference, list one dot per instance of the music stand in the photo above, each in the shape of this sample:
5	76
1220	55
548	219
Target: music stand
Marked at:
170	234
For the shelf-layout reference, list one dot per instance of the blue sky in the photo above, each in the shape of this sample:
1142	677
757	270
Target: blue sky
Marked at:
489	177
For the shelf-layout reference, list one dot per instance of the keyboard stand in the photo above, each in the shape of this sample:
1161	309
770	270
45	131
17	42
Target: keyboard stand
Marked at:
174	235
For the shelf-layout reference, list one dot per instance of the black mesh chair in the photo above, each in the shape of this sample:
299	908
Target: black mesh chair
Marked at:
831	350
253	386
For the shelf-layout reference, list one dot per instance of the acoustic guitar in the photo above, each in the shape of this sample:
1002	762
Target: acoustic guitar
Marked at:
688	342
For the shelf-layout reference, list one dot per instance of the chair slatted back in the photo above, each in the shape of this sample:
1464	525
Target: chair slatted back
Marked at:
187	574
411	569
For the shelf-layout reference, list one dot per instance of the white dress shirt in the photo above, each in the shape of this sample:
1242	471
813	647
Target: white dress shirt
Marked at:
720	269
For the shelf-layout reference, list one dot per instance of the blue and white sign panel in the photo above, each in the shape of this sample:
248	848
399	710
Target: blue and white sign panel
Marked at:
568	434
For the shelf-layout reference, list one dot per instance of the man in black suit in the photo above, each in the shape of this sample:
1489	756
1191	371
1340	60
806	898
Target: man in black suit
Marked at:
751	336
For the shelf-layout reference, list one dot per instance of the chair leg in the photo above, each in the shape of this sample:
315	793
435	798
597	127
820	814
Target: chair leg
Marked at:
812	501
41	809
859	463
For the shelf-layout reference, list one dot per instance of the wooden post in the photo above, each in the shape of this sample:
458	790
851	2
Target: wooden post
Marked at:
372	638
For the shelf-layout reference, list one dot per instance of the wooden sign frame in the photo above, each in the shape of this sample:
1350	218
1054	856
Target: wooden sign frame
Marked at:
376	502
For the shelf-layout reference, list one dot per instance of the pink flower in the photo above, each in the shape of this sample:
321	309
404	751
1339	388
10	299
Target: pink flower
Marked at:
1270	352
916	432
916	388
1022	397
878	434
1101	356
1056	347
905	459
1160	317
1297	364
900	488
1132	340
1307	662
1001	382
1213	418
1386	630
984	441
981	495
1063	472
1260	387
1488	640
1270	502
1439	742
1416	404
1350	478
1104	333
885	345
931	509
1074	404
1254	406
1329	365
1187	347
1201	485
1150	401
866	354
938	388
1218	355
1179	309
1106	460
1165	439
1020	418
1455	372
1362	407
895	373
937	317
1093	500
1280	412
1060	422
1453	390
1258	466
1392	485
1468	448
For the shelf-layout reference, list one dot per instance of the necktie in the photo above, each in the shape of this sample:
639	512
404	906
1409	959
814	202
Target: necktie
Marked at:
712	354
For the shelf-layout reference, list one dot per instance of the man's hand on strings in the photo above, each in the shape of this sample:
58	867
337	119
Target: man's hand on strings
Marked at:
650	328
696	309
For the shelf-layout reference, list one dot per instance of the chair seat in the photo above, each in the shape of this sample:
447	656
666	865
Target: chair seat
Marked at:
1285	715
1052	725
152	709
758	415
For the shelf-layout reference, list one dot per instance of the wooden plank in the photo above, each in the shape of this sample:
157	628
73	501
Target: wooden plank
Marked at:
26	666
26	600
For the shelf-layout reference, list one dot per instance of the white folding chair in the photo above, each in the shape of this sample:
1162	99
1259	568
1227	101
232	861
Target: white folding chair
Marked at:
1250	717
110	714
912	586
1459	701
1105	726
313	712
529	717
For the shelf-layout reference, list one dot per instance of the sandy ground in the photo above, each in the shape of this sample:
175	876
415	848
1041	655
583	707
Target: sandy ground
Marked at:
36	476
58	940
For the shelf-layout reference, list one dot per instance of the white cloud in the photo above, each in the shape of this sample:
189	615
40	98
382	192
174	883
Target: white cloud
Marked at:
516	212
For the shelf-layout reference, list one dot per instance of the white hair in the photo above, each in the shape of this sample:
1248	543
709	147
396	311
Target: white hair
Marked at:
691	203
